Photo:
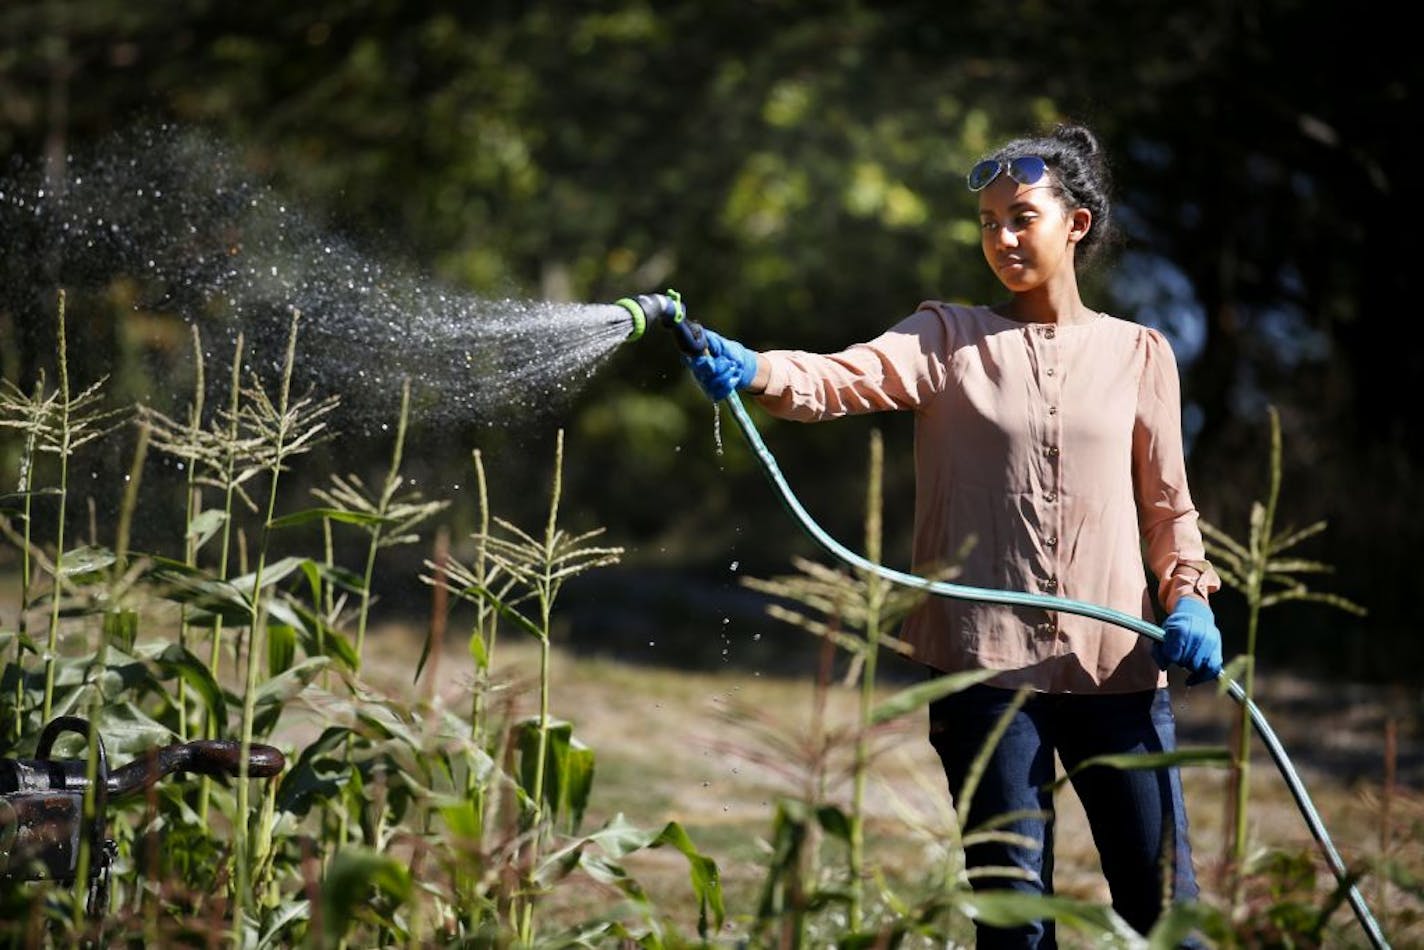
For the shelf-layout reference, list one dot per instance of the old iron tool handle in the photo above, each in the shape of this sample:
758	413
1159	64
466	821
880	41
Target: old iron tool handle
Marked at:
216	757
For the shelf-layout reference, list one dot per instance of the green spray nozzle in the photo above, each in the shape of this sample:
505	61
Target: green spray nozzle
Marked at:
669	311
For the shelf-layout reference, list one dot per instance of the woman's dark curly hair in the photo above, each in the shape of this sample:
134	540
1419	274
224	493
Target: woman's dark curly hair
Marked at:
1080	179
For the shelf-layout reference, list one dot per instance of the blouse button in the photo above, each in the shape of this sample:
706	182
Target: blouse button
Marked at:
1049	371
1053	410
1053	451
1050	583
1052	540
1048	333
1051	496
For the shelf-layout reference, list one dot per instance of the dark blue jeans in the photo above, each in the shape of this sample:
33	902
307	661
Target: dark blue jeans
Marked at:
1137	817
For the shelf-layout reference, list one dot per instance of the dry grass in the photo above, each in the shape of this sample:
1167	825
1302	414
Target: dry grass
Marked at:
664	753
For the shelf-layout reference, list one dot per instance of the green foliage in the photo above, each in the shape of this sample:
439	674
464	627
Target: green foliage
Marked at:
402	823
597	855
800	171
920	695
799	174
566	771
1211	757
354	877
405	823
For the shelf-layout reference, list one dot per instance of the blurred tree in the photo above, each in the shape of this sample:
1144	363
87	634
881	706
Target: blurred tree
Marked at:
797	172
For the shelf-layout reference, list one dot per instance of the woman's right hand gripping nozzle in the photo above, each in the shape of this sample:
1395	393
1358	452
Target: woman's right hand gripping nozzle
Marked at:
725	366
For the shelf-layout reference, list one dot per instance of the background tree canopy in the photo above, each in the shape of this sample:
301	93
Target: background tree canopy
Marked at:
796	171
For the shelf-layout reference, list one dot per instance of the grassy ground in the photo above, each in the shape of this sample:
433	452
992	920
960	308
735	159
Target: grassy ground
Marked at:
668	749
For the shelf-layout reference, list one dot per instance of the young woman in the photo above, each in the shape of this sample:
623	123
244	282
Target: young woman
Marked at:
1051	434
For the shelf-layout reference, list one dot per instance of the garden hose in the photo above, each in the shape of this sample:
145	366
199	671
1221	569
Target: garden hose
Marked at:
1064	605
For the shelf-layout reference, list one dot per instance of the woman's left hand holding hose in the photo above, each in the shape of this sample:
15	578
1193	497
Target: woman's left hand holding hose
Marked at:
1191	639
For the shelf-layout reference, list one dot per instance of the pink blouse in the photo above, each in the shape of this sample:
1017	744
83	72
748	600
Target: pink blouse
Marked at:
1058	449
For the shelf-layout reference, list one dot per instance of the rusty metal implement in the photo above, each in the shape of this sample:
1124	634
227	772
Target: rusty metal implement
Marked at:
42	821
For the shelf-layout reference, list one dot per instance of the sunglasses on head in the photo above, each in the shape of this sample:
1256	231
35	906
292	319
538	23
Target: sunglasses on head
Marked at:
1026	170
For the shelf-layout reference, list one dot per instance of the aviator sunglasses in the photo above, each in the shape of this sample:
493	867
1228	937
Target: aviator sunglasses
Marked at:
1026	170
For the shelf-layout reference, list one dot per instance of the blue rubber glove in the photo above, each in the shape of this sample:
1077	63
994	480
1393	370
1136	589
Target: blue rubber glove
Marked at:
727	365
1192	640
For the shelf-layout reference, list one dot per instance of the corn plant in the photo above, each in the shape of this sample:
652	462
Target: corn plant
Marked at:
387	518
538	569
28	414
119	684
192	499
850	612
481	583
866	605
433	861
1265	575
219	454
520	577
481	574
287	428
60	426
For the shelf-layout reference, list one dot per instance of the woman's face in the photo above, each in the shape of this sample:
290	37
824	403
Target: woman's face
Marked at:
1027	233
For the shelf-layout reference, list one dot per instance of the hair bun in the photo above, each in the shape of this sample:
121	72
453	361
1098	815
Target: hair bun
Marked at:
1079	138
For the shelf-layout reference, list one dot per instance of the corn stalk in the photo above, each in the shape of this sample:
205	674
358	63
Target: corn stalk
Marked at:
1265	576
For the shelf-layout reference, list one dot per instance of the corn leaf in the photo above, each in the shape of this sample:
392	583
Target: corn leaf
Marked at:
1212	756
922	694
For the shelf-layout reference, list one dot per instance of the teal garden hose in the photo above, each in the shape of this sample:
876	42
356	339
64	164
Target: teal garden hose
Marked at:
1065	605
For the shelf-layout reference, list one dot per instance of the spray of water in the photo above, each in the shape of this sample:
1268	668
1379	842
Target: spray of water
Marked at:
172	213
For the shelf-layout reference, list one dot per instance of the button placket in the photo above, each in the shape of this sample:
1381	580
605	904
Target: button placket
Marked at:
1052	452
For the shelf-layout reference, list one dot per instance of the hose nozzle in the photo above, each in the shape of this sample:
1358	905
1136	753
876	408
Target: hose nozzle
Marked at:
668	310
